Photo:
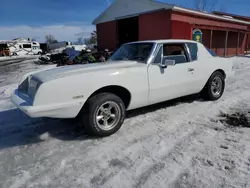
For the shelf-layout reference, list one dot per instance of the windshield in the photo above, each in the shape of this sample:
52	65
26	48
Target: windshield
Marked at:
133	51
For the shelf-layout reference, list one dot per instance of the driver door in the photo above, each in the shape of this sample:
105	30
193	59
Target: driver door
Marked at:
166	83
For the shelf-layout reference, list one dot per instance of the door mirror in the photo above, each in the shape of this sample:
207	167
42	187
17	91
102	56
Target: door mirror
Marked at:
167	62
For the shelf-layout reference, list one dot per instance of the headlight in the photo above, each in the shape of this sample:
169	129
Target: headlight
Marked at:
33	85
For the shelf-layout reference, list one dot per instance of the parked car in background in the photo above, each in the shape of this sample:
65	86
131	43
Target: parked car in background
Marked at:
137	75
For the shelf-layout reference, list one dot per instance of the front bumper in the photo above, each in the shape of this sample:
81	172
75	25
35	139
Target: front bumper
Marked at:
58	110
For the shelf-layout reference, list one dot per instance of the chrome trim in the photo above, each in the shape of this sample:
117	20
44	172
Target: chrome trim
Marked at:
154	54
188	52
162	56
107	116
216	86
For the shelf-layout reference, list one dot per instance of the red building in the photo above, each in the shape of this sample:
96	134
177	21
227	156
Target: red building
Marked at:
130	20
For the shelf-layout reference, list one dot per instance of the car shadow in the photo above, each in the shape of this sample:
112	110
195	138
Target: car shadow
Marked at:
17	129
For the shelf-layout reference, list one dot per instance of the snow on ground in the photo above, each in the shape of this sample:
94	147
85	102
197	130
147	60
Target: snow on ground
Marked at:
175	144
9	77
7	58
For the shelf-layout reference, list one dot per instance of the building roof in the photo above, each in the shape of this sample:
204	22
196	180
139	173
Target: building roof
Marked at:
128	8
246	18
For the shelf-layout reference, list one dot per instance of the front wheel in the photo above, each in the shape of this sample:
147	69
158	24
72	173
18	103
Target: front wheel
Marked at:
103	114
215	86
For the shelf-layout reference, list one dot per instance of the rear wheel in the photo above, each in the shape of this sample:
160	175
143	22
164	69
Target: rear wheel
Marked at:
215	86
103	114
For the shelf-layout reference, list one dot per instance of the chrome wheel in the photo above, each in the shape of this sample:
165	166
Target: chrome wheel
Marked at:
107	115
216	87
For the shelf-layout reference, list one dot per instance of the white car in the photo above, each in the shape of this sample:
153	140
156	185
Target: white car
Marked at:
137	75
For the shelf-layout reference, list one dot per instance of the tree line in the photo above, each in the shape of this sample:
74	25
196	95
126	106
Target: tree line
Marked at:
50	39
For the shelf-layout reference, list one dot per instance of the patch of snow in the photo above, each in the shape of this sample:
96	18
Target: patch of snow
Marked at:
44	136
180	143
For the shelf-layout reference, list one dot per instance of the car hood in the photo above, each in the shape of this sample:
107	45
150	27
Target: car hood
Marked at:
70	70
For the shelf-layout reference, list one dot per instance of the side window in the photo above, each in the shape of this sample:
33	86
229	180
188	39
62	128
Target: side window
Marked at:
158	56
193	50
175	52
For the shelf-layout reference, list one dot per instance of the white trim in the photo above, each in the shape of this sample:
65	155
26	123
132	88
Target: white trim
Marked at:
210	15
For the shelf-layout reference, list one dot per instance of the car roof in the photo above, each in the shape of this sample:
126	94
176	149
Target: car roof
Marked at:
165	41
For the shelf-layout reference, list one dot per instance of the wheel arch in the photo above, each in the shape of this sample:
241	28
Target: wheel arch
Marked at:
120	91
221	71
218	70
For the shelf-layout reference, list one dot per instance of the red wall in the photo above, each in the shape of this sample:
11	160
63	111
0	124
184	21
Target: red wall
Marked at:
206	35
243	43
248	42
156	25
181	30
232	43
106	35
218	42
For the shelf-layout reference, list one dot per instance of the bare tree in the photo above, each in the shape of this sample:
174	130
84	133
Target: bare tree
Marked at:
206	5
50	39
92	39
80	40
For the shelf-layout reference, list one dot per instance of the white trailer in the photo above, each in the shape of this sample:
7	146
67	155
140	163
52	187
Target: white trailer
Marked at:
22	47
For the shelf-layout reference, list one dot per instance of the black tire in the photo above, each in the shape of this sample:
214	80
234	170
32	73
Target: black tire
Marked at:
207	92
90	112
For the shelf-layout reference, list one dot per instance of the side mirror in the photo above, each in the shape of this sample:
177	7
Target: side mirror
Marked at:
167	62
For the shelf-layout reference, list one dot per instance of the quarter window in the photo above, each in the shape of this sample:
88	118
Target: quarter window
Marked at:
193	50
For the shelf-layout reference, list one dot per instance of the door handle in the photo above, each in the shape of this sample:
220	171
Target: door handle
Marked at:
190	70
